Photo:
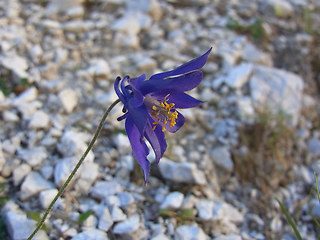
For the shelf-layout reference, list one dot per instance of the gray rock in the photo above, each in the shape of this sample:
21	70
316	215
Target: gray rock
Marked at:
88	174
33	184
39	119
279	90
19	173
102	189
172	201
18	65
10	116
91	234
105	220
252	54
18	225
281	8
68	99
184	172
78	26
128	227
33	156
245	108
238	75
314	146
35	53
28	95
222	158
190	232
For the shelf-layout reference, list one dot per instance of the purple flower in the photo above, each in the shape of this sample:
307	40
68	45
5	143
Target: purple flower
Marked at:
151	106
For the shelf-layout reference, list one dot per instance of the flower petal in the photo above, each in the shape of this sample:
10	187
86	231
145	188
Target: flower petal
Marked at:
183	100
192	65
139	116
179	122
139	147
118	92
181	83
156	139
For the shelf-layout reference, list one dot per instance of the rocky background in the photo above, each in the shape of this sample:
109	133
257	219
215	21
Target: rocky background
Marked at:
256	137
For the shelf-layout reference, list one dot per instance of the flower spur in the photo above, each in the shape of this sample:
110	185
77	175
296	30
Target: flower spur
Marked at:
154	105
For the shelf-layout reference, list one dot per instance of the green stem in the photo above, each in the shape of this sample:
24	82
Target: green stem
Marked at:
75	169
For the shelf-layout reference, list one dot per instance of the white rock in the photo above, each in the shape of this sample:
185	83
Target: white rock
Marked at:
28	95
160	236
222	158
245	108
99	68
128	24
18	65
128	226
91	234
122	143
33	184
61	56
279	90
117	214
47	171
88	174
123	40
50	24
281	8
39	119
146	64
238	75
172	201
72	144
252	54
10	116
190	232
228	237
19	173
105	220
204	207
125	198
78	26
27	110
46	197
75	12
63	170
102	189
68	99
184	172
33	156
152	7
36	53
18	225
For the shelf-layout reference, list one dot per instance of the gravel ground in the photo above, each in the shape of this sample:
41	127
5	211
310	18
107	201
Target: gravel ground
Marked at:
256	138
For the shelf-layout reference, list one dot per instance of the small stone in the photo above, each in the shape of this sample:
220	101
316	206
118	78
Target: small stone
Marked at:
39	119
222	158
46	197
128	24
28	95
252	54
245	108
89	173
17	223
190	232
181	172
281	8
18	65
276	224
128	226
314	146
238	75
35	53
99	68
68	99
102	189
105	220
78	26
33	156
122	142
152	7
91	234
33	184
117	214
75	12
2	159
147	64
125	198
228	237
19	173
10	116
63	170
172	201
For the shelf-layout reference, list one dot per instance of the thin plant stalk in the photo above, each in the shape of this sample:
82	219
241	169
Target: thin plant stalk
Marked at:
90	146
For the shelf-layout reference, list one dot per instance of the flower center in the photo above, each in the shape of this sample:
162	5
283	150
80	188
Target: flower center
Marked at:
163	113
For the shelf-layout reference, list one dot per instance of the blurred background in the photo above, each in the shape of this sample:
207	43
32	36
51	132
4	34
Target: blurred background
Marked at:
256	137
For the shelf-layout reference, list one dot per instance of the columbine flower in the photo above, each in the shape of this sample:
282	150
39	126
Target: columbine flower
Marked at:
154	105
